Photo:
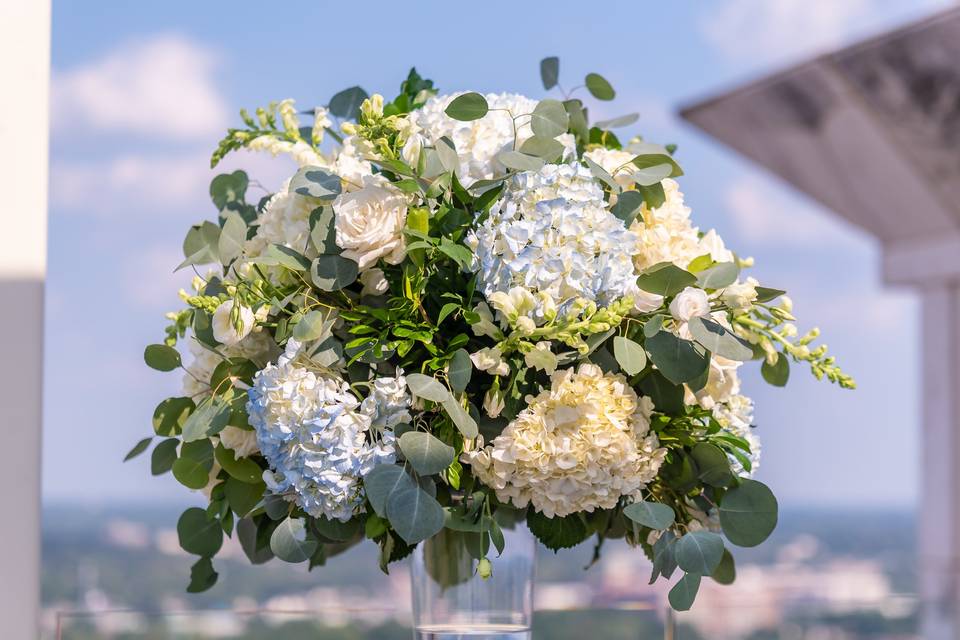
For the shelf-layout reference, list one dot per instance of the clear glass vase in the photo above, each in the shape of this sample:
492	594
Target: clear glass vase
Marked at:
452	601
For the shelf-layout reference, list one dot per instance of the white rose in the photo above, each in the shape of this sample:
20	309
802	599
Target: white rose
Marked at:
242	442
223	328
374	283
689	303
369	223
645	302
739	296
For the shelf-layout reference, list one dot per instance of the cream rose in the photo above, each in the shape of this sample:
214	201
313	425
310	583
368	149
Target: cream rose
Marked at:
740	296
689	303
369	223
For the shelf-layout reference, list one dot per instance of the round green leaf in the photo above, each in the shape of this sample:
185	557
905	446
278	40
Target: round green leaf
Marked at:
683	593
233	236
699	552
557	533
426	453
170	414
550	72
292	542
323	232
202	576
777	373
630	355
716	339
549	119
336	530
161	357
243	469
314	325
665	278
414	514
247	534
620	121
718	276
713	464
463	420
460	370
519	161
447	153
192	468
466	107
209	419
198	534
650	514
382	482
726	571
315	183
627	206
228	187
677	359
748	513
546	148
332	273
599	88
243	496
163	456
346	103
427	387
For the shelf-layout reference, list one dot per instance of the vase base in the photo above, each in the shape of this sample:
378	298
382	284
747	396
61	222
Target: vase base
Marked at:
473	632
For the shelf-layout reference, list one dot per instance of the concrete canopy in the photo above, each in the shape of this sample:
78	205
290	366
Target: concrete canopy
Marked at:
872	131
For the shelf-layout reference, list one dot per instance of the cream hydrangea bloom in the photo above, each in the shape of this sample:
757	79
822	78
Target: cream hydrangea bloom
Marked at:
665	233
578	446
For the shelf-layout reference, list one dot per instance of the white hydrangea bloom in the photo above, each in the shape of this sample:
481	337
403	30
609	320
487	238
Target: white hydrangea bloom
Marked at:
478	141
736	416
580	445
312	433
388	403
551	234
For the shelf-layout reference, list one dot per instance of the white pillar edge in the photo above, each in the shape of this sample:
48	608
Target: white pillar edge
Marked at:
24	117
938	530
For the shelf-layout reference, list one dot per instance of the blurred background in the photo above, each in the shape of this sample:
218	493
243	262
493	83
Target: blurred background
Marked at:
141	92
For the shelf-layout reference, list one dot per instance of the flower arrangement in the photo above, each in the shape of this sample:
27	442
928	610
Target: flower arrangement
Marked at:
461	312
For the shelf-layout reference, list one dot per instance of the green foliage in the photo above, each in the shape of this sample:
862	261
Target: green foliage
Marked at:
468	106
666	279
699	552
683	593
677	359
550	72
161	357
557	533
192	468
716	339
202	576
315	183
425	453
292	541
163	456
198	533
414	514
650	514
346	103
777	373
137	449
630	355
170	414
598	87
748	513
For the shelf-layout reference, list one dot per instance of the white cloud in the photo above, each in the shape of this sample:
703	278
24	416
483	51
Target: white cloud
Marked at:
786	29
161	86
765	216
134	182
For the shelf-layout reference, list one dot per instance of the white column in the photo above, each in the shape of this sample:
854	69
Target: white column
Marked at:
939	514
25	69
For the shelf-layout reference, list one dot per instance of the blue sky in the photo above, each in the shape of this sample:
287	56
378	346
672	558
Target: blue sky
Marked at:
142	92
